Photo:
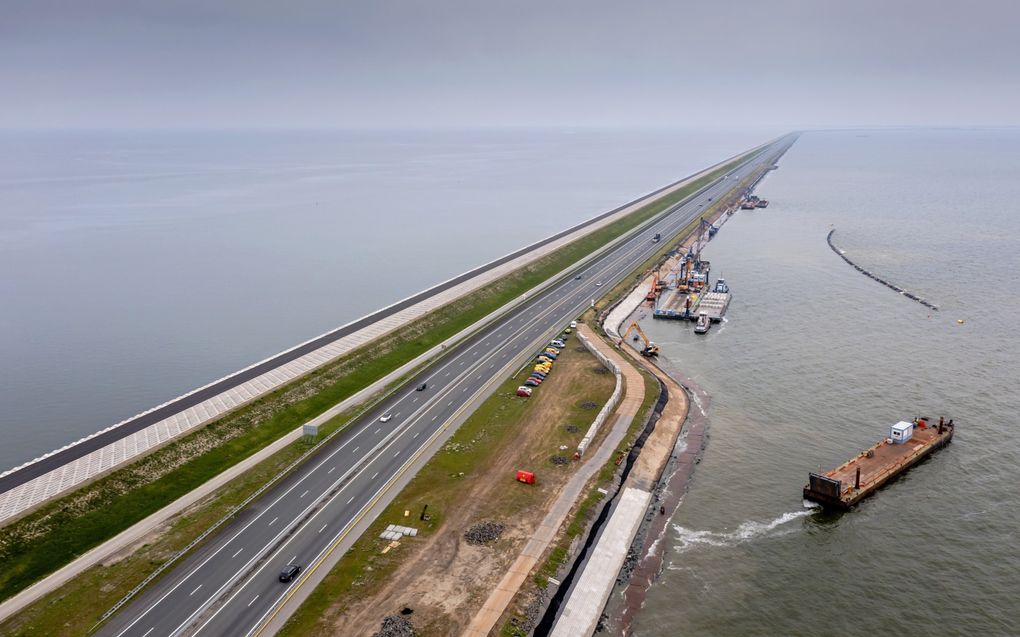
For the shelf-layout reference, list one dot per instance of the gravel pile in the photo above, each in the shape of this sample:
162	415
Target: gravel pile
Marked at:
484	533
532	612
396	626
572	429
589	405
559	460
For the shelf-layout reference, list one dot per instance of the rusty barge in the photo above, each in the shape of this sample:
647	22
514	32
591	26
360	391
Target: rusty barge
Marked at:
908	443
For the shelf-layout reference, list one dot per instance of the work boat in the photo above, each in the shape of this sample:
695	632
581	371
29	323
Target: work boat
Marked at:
703	324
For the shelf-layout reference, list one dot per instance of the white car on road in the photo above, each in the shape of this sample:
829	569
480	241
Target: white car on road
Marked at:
385	417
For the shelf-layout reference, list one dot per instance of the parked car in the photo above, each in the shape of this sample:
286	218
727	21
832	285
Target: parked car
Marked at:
573	324
289	572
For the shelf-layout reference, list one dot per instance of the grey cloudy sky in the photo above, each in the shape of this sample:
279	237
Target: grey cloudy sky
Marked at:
182	63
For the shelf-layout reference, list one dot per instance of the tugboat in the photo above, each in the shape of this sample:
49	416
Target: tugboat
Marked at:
703	324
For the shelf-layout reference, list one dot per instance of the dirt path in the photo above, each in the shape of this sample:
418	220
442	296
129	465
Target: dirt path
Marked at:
659	445
441	577
630	403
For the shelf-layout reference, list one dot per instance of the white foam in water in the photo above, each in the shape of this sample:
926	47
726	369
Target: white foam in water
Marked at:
745	532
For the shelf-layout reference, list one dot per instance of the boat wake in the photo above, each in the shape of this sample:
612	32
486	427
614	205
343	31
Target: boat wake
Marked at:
746	532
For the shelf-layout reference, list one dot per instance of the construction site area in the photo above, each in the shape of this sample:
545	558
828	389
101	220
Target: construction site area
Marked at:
438	550
681	288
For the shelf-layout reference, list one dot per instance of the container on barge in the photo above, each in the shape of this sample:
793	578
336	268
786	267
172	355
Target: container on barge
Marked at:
908	443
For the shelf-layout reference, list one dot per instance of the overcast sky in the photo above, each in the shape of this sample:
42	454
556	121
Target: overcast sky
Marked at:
303	63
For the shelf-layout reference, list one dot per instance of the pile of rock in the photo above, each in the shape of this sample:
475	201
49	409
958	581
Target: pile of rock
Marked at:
532	613
558	459
484	533
396	626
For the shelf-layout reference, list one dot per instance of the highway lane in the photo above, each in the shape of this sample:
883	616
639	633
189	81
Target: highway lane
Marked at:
61	457
304	515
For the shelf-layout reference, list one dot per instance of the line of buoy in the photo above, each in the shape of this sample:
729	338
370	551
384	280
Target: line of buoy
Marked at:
891	286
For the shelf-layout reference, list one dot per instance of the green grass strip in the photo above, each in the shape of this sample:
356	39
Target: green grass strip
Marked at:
53	536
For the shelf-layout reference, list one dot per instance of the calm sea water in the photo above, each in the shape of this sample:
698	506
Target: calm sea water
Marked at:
137	266
815	362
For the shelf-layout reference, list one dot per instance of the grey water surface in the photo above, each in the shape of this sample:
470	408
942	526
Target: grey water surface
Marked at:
812	365
136	266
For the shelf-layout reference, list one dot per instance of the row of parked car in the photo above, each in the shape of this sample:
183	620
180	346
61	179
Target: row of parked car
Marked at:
544	362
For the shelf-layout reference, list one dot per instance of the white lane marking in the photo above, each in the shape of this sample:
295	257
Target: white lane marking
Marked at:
396	455
149	631
376	475
303	494
252	601
434	418
274	520
292	560
195	591
232	538
355	450
446	374
351	500
414	400
415	435
449	403
323	527
377	430
331	470
630	256
237	553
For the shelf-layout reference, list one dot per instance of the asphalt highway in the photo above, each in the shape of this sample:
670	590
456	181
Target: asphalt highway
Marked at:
61	457
230	585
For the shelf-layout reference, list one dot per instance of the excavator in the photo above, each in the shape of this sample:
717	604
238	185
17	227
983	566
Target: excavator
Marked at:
651	349
654	292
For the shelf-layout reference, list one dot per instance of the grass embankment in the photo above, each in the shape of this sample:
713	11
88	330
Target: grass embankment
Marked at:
78	605
517	622
60	531
471	478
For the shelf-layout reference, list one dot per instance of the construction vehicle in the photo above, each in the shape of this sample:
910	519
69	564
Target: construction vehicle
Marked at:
651	349
654	292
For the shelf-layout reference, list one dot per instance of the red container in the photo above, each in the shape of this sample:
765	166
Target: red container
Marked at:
526	477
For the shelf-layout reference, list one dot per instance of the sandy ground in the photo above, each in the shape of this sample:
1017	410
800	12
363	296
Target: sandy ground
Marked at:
442	578
659	445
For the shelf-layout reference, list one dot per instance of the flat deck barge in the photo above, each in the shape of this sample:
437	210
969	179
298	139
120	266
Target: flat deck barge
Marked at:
714	305
908	443
675	304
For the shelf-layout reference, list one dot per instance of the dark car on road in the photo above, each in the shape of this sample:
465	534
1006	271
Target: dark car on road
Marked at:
422	387
289	572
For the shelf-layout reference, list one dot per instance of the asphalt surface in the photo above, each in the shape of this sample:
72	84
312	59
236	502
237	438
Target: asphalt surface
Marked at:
230	585
141	421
